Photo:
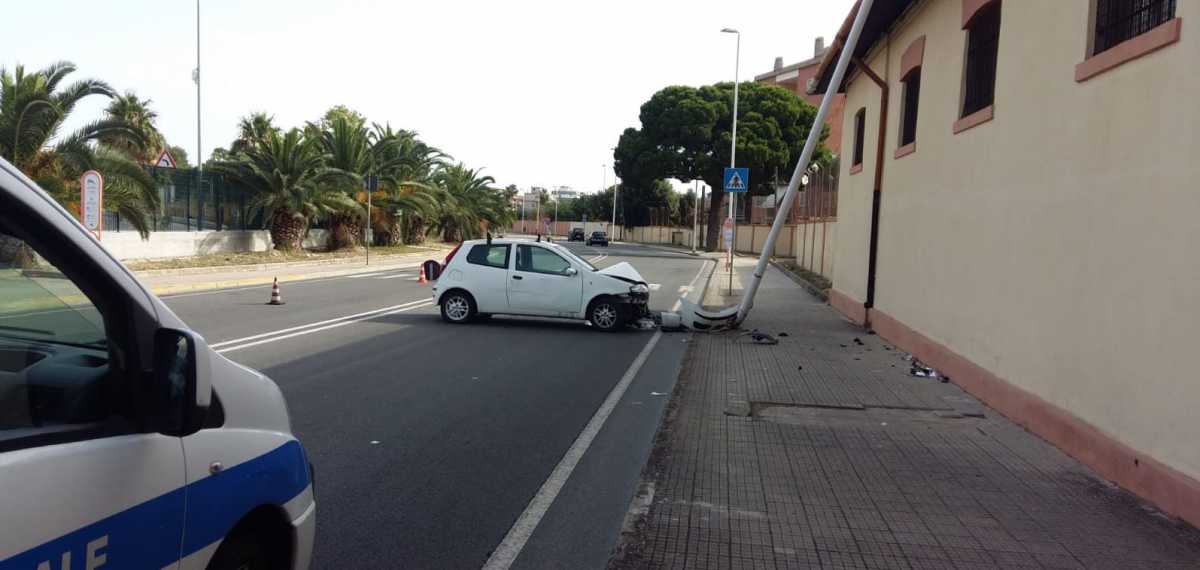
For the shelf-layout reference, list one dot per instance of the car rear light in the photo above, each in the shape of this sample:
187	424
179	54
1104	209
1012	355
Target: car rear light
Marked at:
451	255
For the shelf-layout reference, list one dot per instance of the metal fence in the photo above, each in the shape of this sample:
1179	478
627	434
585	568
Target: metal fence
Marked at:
191	201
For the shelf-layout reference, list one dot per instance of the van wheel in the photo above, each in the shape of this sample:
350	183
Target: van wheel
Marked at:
458	307
239	552
605	315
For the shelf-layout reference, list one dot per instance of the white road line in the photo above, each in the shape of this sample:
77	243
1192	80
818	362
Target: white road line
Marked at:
514	541
396	276
361	275
316	324
324	328
655	286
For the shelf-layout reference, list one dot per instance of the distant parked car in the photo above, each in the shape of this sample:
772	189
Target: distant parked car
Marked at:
509	277
577	234
598	238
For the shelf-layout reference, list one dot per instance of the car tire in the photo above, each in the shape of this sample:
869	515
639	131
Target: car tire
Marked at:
605	315
458	307
238	552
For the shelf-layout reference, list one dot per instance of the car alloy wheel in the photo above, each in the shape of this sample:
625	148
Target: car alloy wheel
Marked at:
605	316
457	308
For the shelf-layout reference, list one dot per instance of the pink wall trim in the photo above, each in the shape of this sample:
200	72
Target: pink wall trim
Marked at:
974	119
972	7
913	56
1129	50
848	306
1169	489
906	150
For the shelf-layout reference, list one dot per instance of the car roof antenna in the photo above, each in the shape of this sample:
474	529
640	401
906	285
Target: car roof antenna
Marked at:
539	238
489	238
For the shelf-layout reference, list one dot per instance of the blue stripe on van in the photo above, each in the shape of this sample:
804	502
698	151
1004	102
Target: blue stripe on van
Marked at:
147	535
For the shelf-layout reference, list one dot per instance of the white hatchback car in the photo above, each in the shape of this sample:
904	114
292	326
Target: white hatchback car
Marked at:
483	278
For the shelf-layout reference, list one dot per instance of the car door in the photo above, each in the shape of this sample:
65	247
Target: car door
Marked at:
487	266
82	483
542	282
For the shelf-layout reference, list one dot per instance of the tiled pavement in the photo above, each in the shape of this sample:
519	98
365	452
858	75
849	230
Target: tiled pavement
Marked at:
846	461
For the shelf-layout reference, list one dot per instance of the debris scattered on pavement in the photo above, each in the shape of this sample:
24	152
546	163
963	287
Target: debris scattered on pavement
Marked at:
920	370
646	324
658	393
759	337
374	442
783	334
800	367
907	358
858	341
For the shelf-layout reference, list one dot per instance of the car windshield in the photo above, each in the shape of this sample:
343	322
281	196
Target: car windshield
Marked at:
38	303
565	252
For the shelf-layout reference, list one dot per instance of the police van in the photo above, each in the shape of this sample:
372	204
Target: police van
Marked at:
125	441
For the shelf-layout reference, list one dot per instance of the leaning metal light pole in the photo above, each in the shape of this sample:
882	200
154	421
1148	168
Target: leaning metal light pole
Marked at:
691	315
810	145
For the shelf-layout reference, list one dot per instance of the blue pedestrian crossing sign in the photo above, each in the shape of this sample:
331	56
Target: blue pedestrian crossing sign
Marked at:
737	179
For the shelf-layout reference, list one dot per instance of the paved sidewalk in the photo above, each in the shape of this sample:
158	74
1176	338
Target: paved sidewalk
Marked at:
823	452
168	281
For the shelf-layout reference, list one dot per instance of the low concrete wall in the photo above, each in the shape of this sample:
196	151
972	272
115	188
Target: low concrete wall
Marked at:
130	245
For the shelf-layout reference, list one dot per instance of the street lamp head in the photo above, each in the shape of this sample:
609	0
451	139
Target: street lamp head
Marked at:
729	31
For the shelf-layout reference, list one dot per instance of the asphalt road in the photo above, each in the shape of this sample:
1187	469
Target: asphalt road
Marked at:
430	440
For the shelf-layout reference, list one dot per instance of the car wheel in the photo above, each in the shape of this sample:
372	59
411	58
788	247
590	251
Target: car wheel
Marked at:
458	307
239	552
605	315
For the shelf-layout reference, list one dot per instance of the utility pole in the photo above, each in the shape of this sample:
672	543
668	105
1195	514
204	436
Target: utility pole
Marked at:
733	145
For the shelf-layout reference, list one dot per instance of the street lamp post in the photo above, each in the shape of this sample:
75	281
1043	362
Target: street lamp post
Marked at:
733	143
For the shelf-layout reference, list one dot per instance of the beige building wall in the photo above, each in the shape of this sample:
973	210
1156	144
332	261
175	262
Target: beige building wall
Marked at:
1056	246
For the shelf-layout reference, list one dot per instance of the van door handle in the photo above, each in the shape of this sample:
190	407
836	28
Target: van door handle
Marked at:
517	277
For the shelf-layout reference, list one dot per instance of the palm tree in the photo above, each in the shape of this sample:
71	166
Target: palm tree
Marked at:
138	116
406	168
291	180
348	147
253	129
468	203
33	107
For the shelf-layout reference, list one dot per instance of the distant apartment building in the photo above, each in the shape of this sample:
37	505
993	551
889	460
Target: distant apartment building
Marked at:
795	78
1025	217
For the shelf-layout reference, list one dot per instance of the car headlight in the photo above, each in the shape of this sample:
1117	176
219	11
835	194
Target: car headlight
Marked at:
639	288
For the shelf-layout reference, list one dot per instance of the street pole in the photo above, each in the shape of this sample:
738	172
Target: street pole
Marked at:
733	145
695	213
371	182
196	78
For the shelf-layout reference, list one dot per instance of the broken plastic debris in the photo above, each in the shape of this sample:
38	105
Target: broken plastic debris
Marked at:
920	370
658	393
374	442
783	334
858	341
646	324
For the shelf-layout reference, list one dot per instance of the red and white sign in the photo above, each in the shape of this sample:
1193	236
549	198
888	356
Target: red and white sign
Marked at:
165	160
91	201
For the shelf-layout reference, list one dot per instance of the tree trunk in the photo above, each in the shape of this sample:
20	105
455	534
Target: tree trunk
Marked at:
415	231
344	231
287	230
716	217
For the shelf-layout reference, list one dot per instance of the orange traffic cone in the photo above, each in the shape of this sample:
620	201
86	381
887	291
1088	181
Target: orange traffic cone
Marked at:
421	278
276	298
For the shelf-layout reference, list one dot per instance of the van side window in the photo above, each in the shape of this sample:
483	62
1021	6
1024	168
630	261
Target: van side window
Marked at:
489	255
54	357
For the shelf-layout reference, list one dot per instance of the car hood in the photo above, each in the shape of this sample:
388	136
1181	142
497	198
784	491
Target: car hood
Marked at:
623	271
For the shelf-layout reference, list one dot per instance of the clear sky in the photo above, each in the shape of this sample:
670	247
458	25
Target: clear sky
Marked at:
536	93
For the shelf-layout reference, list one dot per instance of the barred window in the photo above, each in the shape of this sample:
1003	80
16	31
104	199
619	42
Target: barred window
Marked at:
860	119
1120	20
983	43
908	112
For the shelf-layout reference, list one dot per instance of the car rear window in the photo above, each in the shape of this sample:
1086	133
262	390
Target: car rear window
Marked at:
489	255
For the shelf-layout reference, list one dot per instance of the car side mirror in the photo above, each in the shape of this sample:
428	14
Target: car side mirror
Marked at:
571	272
181	385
